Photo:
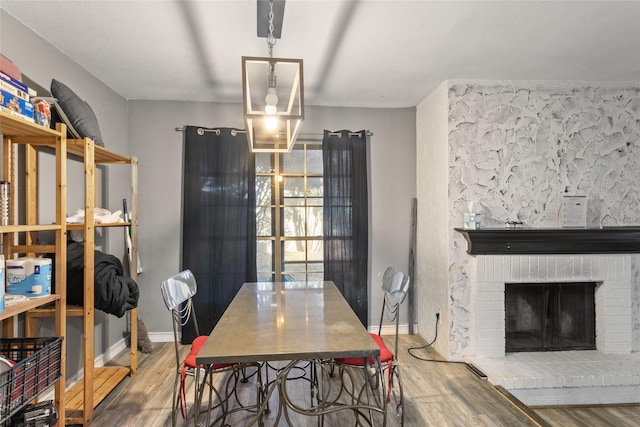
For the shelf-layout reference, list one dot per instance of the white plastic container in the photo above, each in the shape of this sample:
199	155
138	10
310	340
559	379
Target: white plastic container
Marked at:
28	276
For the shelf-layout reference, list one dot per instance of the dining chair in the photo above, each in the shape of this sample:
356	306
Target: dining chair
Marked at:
177	292
395	285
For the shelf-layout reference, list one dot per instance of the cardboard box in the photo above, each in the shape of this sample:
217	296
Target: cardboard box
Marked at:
14	103
8	67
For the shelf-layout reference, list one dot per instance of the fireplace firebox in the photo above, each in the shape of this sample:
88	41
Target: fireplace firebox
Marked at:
555	316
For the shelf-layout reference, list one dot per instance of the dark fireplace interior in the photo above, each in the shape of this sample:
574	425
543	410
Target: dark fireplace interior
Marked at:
550	316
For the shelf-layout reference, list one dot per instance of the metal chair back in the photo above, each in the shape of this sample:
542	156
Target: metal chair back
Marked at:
178	288
177	292
395	285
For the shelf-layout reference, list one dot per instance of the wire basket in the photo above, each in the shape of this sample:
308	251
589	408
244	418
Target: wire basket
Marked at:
37	366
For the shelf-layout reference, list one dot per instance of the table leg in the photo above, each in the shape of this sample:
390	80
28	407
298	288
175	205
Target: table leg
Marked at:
198	398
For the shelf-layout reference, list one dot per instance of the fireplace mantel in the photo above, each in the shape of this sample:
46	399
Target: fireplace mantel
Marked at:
501	241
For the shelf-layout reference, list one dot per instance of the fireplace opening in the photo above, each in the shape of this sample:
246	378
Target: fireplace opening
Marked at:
550	316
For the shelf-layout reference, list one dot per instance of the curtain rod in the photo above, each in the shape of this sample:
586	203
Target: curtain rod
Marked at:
234	132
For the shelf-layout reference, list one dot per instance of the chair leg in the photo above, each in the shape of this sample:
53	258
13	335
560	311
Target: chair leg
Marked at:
396	392
175	401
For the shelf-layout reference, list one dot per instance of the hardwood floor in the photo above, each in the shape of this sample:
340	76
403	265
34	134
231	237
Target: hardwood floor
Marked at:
436	394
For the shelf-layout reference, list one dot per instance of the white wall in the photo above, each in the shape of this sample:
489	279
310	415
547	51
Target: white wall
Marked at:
515	147
159	148
432	282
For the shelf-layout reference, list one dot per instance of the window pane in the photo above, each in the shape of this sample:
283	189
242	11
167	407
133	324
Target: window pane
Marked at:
293	162
293	187
296	267
300	277
264	194
264	255
314	221
315	250
314	187
293	251
294	222
293	201
315	267
314	159
315	276
263	163
265	277
314	201
264	221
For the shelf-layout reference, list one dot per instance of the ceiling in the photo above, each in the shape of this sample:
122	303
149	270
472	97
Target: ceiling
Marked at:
357	53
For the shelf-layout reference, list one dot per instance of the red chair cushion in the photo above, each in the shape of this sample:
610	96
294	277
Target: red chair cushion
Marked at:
385	354
196	345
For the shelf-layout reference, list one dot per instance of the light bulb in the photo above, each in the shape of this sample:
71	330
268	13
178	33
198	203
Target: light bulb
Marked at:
272	98
271	123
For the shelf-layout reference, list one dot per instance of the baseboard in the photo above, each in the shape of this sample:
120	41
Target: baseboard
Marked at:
161	336
391	329
111	352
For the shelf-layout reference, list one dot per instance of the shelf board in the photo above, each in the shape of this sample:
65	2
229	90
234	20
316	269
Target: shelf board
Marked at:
20	129
101	154
30	303
500	241
50	310
111	224
22	228
105	379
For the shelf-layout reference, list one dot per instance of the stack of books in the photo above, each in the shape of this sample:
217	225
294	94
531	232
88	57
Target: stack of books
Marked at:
16	98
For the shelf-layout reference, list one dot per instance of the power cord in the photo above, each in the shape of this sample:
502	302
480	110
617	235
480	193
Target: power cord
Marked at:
429	345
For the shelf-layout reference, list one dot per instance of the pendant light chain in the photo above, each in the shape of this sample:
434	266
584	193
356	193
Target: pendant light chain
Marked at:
271	40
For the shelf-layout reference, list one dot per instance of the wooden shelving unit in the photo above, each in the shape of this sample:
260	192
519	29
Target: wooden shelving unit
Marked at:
16	131
29	304
84	396
76	405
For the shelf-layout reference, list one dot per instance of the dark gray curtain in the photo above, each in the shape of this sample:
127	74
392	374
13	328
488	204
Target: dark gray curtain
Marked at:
346	216
219	220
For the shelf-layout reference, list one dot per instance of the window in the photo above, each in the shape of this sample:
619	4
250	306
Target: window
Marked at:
289	214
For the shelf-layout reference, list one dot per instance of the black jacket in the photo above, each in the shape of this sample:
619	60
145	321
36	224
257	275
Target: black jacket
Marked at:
114	293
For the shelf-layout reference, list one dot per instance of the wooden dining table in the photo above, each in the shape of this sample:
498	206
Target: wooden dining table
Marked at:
294	322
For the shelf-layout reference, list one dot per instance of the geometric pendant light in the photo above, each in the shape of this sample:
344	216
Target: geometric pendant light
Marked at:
273	98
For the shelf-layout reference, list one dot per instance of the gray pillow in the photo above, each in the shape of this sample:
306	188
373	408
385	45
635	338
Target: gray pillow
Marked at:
58	116
78	115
